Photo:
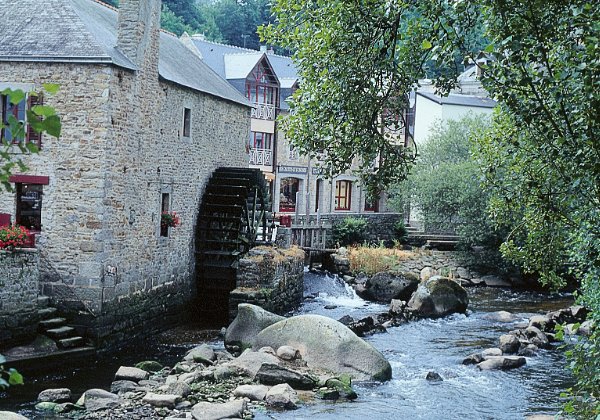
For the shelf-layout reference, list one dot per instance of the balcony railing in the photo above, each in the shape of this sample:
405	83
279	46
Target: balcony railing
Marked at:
263	111
262	157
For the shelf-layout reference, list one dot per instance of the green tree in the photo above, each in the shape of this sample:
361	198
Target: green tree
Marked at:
173	23
359	59
238	20
445	187
541	159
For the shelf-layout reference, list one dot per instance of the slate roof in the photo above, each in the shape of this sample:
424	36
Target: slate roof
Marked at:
232	62
239	66
85	31
213	53
462	100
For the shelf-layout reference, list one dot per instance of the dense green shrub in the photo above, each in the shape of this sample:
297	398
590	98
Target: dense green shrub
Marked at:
351	230
444	189
400	232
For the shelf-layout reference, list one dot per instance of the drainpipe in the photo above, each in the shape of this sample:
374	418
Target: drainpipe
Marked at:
308	190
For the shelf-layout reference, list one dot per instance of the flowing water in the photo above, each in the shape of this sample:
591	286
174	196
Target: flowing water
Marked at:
440	345
413	350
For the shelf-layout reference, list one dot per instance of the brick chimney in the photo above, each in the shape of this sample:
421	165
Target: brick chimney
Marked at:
138	32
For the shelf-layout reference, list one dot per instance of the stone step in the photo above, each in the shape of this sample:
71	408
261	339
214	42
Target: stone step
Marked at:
43	301
69	343
61	332
47	313
48	324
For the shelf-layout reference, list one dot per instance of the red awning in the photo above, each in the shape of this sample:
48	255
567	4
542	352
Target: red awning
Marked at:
29	179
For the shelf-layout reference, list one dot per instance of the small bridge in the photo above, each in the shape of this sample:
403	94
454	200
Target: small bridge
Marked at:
234	217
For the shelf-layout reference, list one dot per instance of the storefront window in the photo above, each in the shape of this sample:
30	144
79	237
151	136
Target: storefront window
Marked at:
287	194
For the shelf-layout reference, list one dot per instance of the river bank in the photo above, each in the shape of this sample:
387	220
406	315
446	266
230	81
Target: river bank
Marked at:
413	350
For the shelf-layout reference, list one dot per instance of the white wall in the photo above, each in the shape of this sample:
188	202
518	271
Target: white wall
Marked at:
427	112
456	112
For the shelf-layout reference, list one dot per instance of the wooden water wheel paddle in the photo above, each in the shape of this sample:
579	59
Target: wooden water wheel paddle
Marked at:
234	216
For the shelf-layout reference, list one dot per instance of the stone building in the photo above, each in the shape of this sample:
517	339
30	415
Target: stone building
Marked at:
297	185
145	123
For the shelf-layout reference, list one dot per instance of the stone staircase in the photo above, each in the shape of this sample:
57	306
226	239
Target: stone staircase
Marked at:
56	327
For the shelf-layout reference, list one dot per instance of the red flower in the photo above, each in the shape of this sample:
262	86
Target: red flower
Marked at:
13	236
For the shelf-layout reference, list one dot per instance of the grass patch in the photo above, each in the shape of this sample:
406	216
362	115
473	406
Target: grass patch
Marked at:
371	260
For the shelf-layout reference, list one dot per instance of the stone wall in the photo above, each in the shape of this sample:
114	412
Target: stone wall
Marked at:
19	277
424	264
294	165
380	225
121	149
445	263
270	277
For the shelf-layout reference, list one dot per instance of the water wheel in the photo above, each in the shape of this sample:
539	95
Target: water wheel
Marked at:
234	217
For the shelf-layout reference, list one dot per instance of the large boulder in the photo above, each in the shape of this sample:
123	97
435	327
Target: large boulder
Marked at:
326	344
210	411
383	287
250	320
57	395
99	399
502	363
438	297
9	415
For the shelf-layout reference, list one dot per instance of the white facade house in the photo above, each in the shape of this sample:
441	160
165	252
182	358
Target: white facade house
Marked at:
430	109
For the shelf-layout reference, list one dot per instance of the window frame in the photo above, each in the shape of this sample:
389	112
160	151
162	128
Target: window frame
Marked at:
187	122
19	208
371	204
346	198
21	108
265	138
165	205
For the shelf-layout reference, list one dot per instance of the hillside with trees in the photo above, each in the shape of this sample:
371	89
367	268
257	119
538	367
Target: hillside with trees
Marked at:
229	21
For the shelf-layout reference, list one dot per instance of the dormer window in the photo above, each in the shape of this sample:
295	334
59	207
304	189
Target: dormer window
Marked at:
262	86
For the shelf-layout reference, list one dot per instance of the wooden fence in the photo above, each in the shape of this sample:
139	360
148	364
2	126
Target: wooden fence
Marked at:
310	236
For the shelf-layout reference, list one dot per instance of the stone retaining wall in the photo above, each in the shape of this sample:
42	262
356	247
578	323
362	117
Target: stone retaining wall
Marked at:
380	225
19	285
137	316
271	278
424	264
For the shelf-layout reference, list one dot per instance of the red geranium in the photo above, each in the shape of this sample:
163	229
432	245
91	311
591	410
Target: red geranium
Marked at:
13	236
169	219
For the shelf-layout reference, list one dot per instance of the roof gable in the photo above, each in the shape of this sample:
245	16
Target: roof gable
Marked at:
213	53
239	66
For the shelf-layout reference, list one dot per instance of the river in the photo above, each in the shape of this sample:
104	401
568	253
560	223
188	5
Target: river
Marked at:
413	350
